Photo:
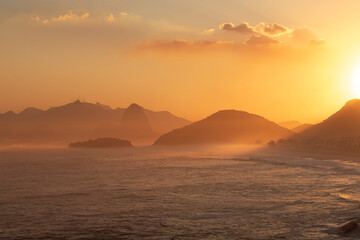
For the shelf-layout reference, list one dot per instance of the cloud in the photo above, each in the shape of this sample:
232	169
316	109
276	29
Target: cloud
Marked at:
122	30
243	28
265	34
317	43
275	38
272	29
262	28
208	32
261	40
111	18
257	48
70	16
303	35
61	18
181	45
128	29
37	19
122	16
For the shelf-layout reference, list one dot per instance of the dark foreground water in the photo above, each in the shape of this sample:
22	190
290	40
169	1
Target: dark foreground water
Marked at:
166	194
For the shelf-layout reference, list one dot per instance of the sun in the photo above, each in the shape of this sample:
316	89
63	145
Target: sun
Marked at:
355	81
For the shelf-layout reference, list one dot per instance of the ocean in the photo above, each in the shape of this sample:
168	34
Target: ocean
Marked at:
157	193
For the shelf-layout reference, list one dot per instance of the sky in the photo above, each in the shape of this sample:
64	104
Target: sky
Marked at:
284	60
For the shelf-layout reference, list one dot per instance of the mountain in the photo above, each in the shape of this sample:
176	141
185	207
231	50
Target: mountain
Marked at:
29	112
290	124
226	127
103	106
135	125
80	120
301	128
164	121
8	115
342	124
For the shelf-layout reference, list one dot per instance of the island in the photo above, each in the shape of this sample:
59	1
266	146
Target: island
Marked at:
102	143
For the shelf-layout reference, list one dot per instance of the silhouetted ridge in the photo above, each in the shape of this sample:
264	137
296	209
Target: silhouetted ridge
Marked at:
9	114
226	127
30	111
78	106
344	123
301	128
353	103
103	106
163	121
82	120
290	124
134	123
134	107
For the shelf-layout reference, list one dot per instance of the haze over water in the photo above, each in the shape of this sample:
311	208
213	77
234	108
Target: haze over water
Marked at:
159	193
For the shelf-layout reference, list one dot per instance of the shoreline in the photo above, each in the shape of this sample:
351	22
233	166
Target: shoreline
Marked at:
318	155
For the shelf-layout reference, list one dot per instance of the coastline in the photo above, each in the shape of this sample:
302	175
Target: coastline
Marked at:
319	154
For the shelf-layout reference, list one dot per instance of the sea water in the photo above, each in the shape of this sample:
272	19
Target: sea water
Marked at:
154	193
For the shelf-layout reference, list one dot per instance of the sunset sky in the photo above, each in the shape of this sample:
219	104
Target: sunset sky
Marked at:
285	60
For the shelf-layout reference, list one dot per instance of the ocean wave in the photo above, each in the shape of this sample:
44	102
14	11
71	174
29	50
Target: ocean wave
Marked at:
349	197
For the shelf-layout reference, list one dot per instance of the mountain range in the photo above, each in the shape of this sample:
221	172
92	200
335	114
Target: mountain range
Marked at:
81	120
230	126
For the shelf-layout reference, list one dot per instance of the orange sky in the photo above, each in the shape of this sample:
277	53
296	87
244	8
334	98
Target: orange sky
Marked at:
285	60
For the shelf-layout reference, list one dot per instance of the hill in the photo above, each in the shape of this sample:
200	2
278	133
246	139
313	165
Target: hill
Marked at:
340	133
226	127
343	124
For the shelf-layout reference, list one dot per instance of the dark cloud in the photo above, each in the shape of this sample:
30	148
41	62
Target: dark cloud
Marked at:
243	28
262	28
272	29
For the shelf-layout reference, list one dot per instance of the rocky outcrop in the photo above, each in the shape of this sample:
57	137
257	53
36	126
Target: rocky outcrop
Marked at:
350	229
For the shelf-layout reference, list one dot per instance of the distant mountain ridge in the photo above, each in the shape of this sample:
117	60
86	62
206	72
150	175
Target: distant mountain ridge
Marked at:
226	127
301	127
290	124
77	121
